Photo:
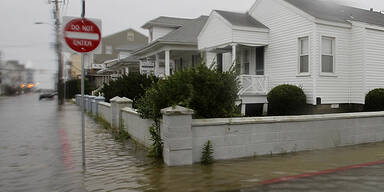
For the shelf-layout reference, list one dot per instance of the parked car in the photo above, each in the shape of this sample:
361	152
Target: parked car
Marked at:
47	95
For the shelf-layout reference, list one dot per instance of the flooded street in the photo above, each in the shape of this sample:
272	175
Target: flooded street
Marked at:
40	150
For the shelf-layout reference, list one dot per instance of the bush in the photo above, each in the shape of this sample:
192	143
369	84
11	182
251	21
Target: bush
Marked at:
374	100
132	86
11	91
210	93
286	100
73	87
207	154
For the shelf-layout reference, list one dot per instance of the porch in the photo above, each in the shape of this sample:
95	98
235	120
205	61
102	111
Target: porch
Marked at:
167	62
249	61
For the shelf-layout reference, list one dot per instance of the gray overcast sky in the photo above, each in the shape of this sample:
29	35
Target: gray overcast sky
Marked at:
22	40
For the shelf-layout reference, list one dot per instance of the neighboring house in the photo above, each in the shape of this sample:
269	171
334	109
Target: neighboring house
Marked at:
115	48
334	52
75	66
172	45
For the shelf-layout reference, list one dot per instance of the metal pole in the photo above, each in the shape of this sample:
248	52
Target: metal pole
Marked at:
82	95
82	109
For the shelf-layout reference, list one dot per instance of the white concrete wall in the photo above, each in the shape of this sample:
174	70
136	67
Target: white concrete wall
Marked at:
246	137
137	127
104	111
281	55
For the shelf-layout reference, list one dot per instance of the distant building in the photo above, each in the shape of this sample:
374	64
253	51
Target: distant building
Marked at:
75	66
115	59
14	73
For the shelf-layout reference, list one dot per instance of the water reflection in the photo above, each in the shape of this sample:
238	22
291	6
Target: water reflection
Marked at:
40	150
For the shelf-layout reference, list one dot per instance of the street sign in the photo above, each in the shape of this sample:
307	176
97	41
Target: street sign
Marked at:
82	35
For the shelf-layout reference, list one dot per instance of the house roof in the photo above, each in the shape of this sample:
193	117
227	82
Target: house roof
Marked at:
240	19
166	21
331	11
130	47
186	34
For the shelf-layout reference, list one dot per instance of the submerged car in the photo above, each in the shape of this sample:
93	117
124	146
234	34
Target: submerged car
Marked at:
47	95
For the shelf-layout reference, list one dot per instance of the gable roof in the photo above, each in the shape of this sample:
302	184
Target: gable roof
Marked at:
240	19
166	21
187	33
331	11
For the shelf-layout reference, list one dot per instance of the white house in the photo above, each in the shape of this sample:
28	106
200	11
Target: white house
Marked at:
334	52
172	45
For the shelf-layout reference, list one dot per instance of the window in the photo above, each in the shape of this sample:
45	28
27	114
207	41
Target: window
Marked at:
245	62
304	55
130	36
150	35
259	61
108	49
196	60
327	54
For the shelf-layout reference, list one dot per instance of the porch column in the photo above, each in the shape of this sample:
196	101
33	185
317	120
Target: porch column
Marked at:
167	63
234	46
156	70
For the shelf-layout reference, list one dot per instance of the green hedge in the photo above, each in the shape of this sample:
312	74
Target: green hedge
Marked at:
73	87
210	93
131	86
286	100
374	100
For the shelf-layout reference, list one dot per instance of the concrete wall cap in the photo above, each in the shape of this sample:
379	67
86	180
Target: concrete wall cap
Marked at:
100	98
114	99
177	110
121	100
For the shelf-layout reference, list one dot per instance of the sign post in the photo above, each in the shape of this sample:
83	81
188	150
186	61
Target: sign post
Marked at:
82	36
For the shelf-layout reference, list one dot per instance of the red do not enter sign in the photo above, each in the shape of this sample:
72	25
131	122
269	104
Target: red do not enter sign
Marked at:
82	35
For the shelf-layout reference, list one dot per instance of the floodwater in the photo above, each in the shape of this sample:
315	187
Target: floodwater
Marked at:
40	150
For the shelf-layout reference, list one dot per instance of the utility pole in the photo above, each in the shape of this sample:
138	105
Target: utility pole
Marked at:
60	80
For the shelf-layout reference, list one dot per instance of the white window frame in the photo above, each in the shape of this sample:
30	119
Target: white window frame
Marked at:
333	39
109	48
299	73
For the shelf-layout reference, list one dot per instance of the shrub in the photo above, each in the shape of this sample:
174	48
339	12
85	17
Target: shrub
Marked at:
206	157
131	86
286	100
73	87
208	92
10	91
374	100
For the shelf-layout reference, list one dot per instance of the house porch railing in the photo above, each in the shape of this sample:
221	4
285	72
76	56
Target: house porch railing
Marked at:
253	84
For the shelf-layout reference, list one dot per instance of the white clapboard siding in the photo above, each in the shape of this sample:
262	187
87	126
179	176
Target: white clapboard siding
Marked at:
216	32
356	64
281	55
251	37
335	89
159	32
374	60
